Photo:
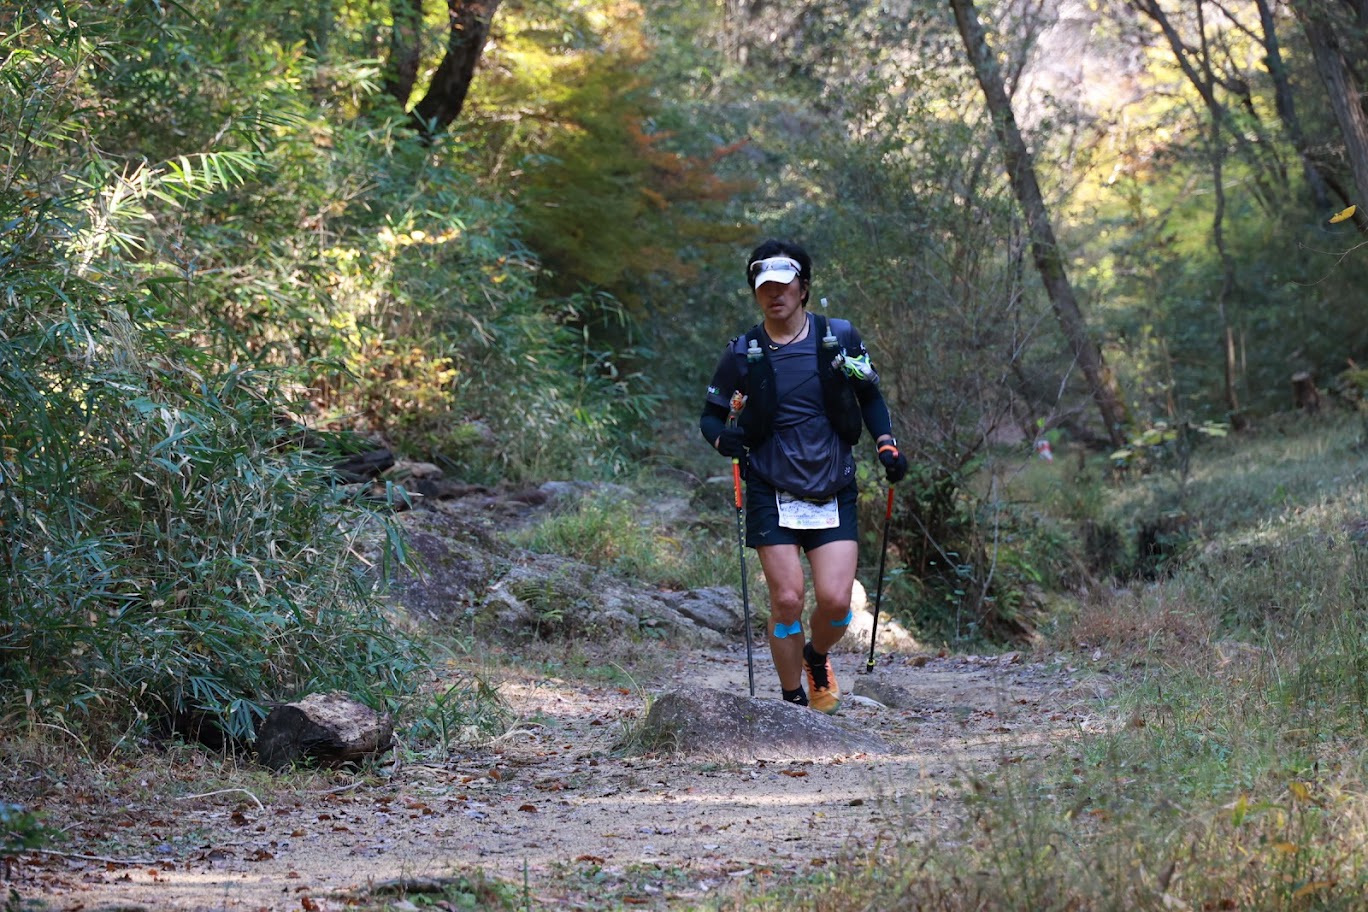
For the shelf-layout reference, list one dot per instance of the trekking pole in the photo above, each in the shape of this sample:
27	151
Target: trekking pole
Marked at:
738	402
878	593
745	590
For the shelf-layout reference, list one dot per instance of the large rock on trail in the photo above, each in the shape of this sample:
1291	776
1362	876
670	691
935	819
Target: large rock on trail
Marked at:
714	608
716	724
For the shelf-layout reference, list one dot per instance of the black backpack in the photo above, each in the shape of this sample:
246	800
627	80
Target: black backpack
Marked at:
762	402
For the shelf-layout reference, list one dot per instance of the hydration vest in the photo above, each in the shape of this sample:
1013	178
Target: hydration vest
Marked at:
838	390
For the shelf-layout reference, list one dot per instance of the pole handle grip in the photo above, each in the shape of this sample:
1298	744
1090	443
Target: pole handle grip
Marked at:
888	514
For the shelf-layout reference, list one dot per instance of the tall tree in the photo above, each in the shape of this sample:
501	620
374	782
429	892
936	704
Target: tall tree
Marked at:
406	48
1285	102
1329	39
1044	247
468	23
1198	65
1218	153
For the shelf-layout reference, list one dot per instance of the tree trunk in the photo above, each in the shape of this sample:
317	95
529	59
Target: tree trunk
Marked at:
1044	248
362	467
1284	102
330	729
1227	271
469	28
406	48
1218	153
1305	396
1342	87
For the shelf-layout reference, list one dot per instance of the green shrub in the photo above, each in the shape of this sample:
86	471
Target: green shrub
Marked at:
19	830
966	566
170	551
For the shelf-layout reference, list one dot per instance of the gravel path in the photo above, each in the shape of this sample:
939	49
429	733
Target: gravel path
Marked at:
554	810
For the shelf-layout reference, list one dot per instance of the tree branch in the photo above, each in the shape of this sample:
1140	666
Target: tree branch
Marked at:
406	48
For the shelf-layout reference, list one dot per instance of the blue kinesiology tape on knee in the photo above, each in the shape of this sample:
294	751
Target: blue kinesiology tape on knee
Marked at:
845	621
787	630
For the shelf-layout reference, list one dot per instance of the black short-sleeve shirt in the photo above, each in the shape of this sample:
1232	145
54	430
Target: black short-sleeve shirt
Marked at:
804	455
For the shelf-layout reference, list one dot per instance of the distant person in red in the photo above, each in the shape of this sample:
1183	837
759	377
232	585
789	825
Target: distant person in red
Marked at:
809	388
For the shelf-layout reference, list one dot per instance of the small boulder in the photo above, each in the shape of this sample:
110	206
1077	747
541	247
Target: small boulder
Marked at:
456	560
404	470
876	687
891	637
715	724
548	597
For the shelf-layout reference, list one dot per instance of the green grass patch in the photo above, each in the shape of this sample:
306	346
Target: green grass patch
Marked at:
641	538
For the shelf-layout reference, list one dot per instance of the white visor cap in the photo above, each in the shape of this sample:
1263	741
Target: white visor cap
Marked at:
775	269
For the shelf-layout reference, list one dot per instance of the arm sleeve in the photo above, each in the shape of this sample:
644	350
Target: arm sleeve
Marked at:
874	411
725	380
717	405
873	408
712	421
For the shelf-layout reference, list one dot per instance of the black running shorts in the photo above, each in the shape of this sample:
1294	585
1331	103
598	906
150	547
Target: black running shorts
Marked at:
762	519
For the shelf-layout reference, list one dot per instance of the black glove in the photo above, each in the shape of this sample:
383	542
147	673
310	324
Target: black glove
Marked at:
732	442
894	462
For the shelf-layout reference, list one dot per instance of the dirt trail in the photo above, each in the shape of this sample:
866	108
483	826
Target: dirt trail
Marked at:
550	809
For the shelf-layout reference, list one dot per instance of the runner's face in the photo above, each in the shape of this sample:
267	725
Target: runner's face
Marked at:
780	302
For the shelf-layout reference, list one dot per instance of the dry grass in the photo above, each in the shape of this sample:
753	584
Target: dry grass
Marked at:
1141	625
1226	772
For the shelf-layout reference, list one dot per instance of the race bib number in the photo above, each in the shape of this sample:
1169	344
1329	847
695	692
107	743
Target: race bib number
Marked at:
797	513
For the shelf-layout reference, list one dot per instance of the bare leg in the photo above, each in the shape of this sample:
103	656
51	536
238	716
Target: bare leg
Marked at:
784	576
833	577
